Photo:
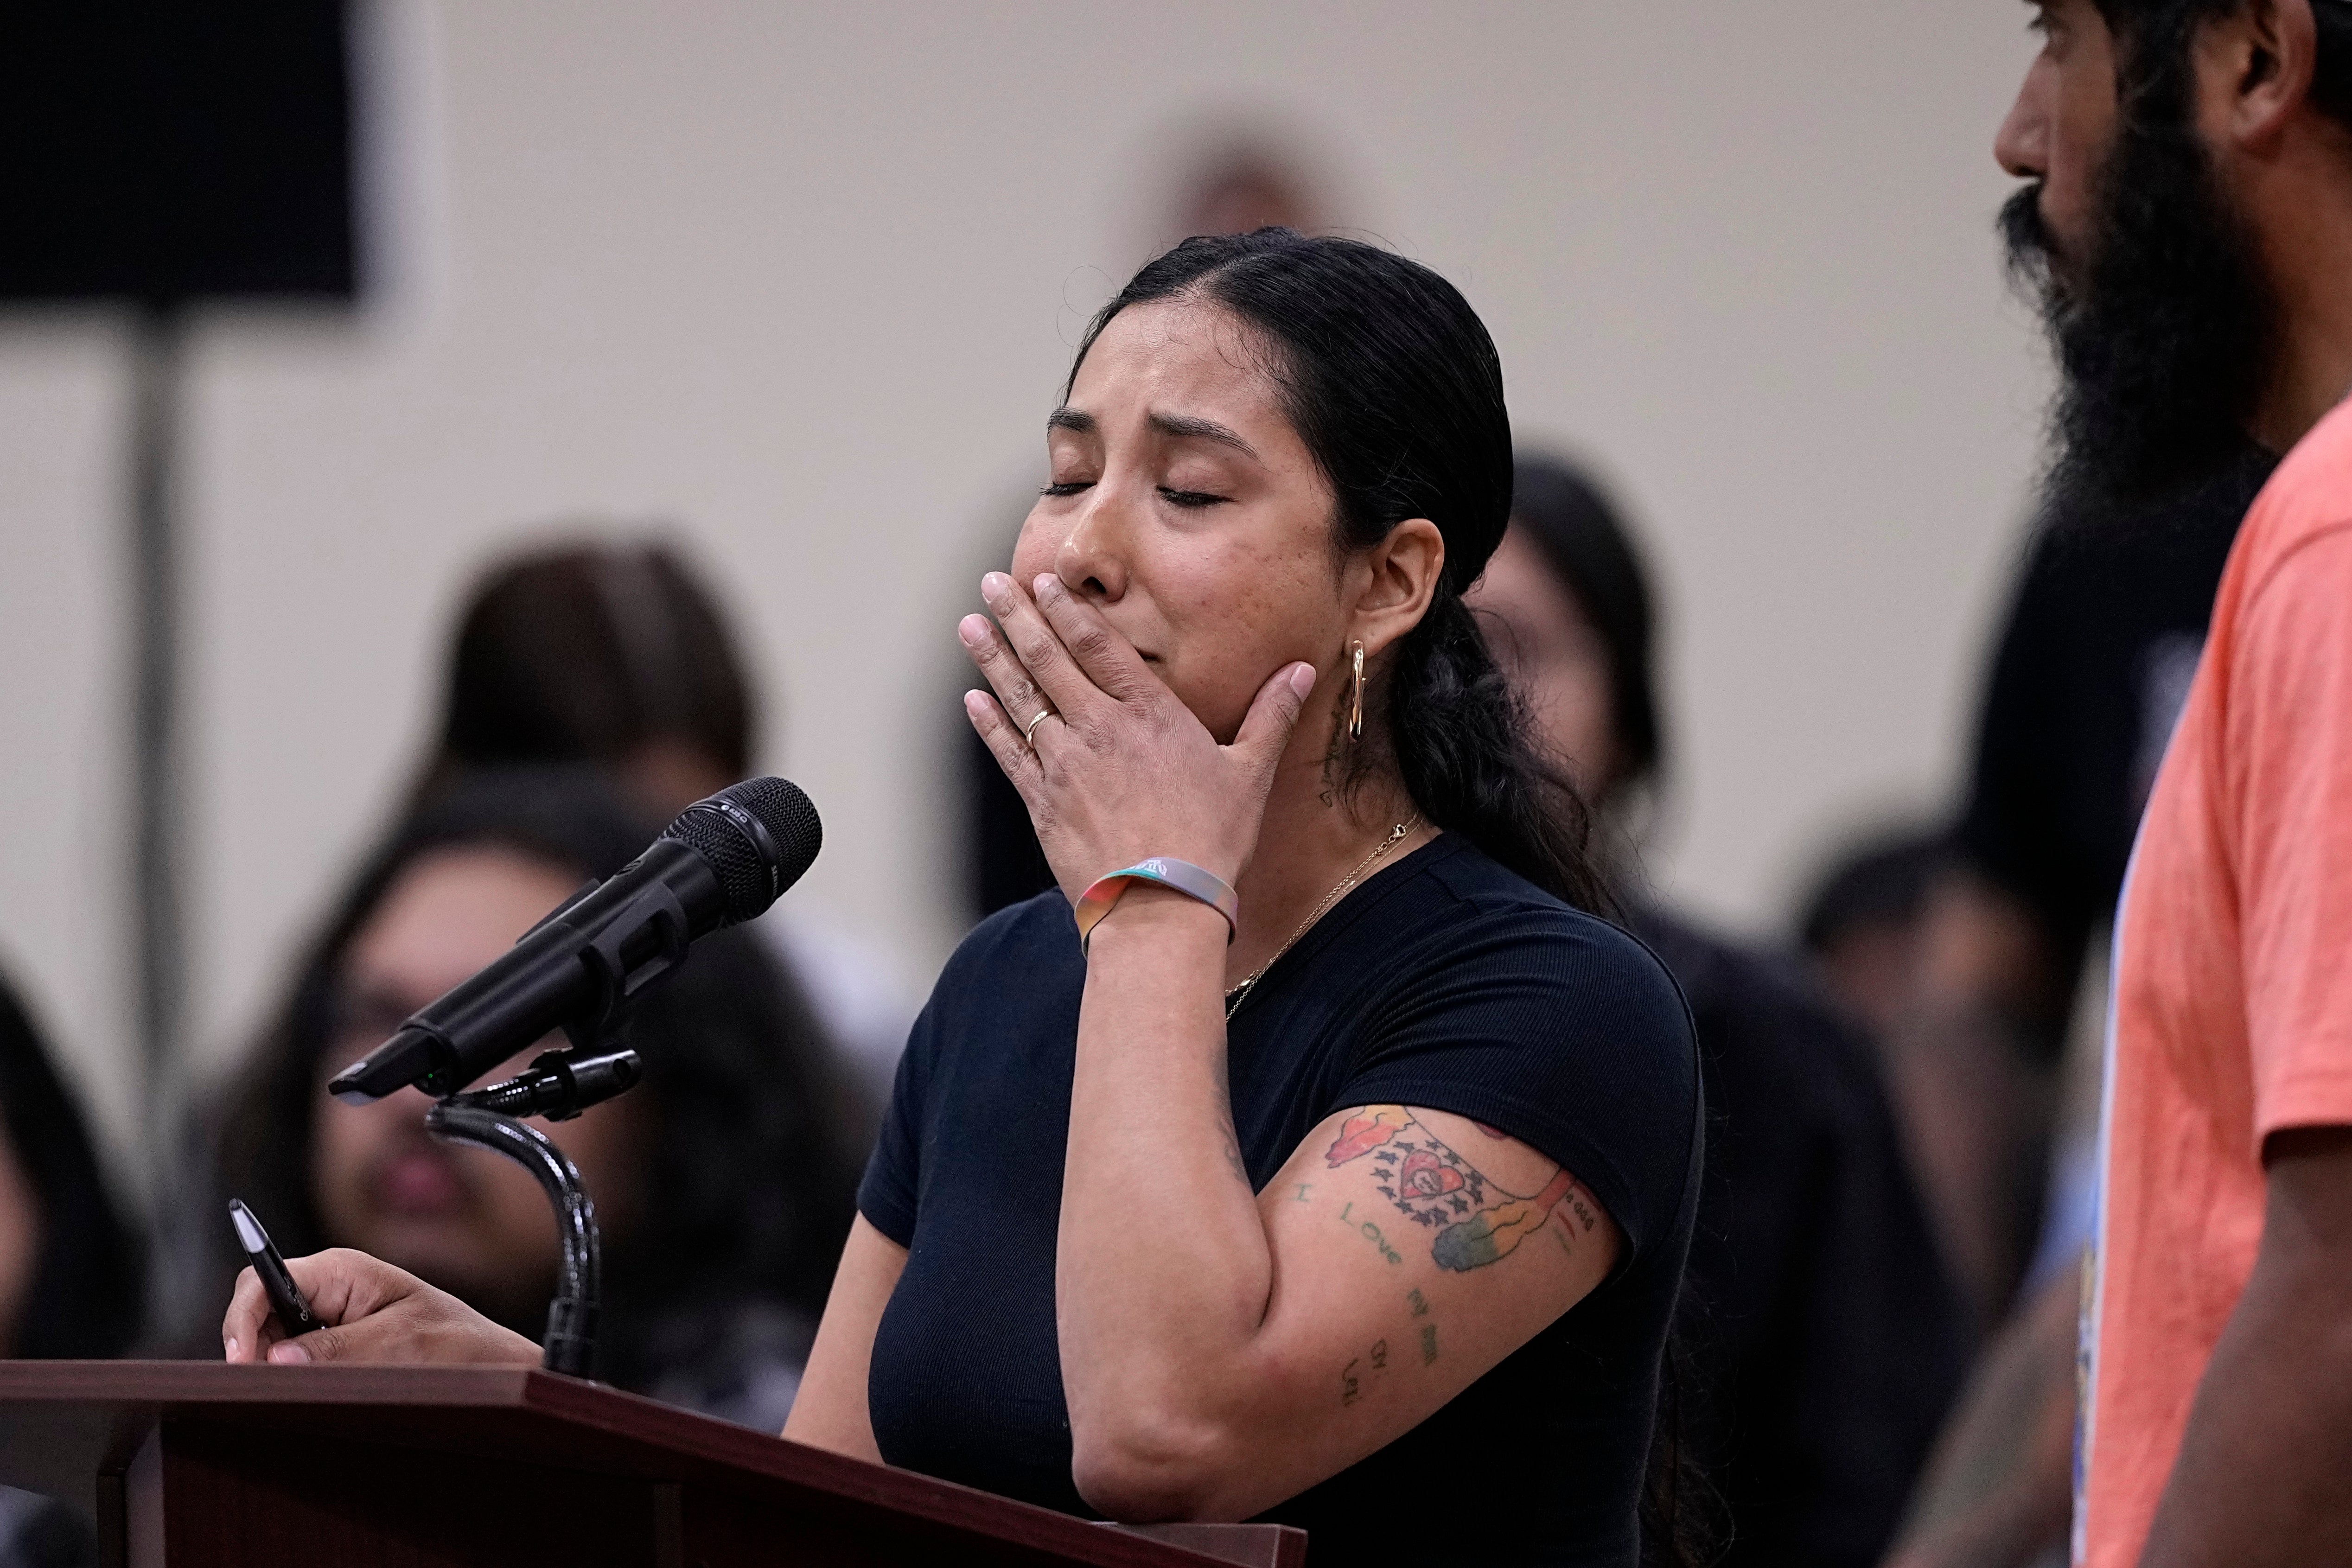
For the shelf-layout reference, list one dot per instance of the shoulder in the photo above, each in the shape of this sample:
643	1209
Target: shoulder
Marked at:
2308	498
1492	926
1553	1025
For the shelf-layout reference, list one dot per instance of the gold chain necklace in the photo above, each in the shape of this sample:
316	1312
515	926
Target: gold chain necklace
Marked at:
1397	835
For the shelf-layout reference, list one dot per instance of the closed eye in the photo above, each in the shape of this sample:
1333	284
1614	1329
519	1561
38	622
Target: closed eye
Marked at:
1066	488
1191	499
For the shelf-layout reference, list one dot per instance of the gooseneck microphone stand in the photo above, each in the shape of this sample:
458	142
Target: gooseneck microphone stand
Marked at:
559	1085
724	861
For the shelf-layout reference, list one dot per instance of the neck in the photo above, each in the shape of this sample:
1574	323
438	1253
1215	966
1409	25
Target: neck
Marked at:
1312	837
2306	247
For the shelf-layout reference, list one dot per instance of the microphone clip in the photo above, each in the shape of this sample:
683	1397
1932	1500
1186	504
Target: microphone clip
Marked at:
559	1085
617	981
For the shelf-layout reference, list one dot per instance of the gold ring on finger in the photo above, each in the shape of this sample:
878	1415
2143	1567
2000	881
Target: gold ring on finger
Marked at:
1031	728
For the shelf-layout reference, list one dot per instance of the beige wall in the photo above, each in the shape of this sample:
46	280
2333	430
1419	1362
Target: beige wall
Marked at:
801	278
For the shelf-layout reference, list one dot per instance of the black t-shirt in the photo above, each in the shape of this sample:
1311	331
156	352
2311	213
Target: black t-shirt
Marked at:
1443	982
1826	1340
2093	666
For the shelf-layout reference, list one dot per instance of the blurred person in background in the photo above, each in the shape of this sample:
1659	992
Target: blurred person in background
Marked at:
1823	1336
1861	925
1997	1062
724	1182
2091	668
618	656
71	1265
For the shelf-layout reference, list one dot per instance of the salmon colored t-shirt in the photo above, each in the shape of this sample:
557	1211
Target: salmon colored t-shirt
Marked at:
2232	1002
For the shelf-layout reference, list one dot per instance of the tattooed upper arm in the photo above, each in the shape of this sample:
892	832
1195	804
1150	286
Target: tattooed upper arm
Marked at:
1411	1252
1414	1249
1471	1218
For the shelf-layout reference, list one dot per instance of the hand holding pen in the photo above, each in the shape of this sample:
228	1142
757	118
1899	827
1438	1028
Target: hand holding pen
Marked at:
345	1306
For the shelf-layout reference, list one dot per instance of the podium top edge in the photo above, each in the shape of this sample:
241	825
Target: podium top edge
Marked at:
217	1382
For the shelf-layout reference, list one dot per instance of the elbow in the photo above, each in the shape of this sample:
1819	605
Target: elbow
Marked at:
1149	1467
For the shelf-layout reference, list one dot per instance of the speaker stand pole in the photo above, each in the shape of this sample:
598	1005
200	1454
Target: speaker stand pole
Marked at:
158	339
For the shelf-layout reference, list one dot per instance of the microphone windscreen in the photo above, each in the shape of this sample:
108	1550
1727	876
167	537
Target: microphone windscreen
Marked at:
758	837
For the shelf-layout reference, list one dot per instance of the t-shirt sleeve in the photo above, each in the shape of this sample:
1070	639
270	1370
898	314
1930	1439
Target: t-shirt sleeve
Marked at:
894	1174
1565	1033
2289	753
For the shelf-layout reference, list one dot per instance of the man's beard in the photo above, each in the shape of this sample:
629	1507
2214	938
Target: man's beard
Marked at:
2164	332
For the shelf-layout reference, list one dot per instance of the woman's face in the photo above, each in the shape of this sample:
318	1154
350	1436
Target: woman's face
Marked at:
1184	507
464	1219
1544	642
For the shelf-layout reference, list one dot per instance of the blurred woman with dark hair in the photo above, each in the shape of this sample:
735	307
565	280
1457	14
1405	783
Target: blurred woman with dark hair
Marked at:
621	656
71	1266
724	1182
1824	1338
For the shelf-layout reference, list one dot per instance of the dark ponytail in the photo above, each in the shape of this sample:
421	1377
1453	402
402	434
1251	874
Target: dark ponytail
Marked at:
1394	385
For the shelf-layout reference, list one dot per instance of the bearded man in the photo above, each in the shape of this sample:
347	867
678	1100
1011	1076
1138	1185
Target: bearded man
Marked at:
2190	226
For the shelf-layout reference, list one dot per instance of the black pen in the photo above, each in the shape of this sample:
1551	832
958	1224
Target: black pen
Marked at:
293	1313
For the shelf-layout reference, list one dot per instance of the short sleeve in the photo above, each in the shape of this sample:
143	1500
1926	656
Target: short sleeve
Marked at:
886	1195
1562	1031
2288	761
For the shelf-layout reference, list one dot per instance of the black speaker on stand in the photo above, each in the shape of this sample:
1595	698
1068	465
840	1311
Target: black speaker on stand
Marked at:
158	156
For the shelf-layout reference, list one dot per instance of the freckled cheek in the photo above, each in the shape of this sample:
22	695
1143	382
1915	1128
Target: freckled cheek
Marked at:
1230	630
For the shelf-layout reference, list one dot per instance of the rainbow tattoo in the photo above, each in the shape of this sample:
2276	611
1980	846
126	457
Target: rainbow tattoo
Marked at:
1438	1188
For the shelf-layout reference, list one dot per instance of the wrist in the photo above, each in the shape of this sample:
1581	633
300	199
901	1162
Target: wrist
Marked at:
1157	917
1160	873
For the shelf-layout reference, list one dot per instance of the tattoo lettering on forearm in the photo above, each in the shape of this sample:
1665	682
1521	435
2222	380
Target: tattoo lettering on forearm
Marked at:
1428	1343
1420	1308
1301	1195
1476	1221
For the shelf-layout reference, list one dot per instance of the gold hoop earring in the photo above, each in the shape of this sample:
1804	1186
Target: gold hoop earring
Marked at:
1355	706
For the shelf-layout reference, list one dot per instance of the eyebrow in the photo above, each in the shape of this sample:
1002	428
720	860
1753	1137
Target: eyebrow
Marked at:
1185	426
1181	426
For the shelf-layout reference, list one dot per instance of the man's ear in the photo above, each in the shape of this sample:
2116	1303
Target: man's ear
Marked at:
1406	567
2262	58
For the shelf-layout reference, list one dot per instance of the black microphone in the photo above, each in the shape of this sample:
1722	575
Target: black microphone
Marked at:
723	861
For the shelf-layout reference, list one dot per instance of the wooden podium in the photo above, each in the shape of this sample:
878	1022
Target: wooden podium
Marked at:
195	1464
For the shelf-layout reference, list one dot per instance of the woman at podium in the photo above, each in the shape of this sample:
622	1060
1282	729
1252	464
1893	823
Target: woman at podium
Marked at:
1316	1152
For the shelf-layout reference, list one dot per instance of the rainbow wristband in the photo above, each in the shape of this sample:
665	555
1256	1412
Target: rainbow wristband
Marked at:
1103	895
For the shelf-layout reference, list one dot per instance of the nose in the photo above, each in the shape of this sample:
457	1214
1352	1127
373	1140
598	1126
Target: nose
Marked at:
2022	146
1091	562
